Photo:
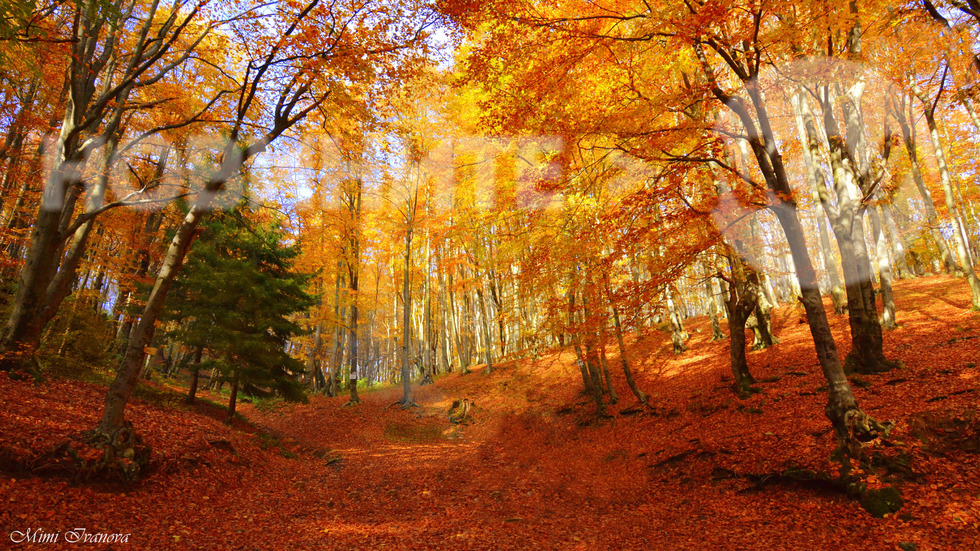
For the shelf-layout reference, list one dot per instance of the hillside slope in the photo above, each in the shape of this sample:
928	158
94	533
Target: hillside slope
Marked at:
534	468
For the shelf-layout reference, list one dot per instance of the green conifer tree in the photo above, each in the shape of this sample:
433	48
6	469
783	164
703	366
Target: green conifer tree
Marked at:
234	300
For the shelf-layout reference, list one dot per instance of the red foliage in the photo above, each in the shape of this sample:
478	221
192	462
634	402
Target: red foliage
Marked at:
533	469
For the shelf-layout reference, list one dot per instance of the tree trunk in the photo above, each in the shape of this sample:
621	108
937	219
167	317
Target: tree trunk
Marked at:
406	371
677	333
485	325
627	372
613	397
744	294
428	346
902	270
960	238
233	397
851	425
195	375
847	220
737	315
353	274
128	371
884	271
313	360
709	290
908	138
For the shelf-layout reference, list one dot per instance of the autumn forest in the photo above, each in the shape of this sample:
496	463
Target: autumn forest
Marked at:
490	274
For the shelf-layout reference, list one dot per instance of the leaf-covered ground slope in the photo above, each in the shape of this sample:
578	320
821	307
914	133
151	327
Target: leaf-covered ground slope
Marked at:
533	469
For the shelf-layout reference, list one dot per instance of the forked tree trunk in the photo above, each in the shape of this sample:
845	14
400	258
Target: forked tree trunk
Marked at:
847	219
743	297
613	397
813	173
851	425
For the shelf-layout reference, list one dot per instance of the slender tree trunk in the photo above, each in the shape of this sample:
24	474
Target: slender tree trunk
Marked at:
677	333
908	137
313	360
884	271
581	358
898	247
233	397
627	372
485	325
406	371
195	375
709	290
960	239
428	347
129	368
353	274
613	397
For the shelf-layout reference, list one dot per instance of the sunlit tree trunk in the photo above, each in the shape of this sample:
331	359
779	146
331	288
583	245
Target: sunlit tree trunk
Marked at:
960	239
406	356
851	425
813	172
428	345
709	291
908	138
884	270
678	335
902	270
847	219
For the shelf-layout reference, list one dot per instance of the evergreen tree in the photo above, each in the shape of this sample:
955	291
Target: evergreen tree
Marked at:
234	299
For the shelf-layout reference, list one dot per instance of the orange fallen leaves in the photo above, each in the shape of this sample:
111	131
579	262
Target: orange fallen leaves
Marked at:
533	469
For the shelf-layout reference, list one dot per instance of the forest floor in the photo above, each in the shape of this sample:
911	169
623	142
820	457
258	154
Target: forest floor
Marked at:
534	469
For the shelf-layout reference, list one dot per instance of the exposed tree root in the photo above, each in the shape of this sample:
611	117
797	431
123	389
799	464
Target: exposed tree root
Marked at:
120	456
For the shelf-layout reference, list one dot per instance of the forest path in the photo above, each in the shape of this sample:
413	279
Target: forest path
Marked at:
394	478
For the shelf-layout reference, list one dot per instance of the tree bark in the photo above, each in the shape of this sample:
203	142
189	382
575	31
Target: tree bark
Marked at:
233	397
908	138
195	375
960	238
884	271
851	425
406	370
677	333
847	219
353	274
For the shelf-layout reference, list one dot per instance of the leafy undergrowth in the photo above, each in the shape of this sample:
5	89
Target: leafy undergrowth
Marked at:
532	468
